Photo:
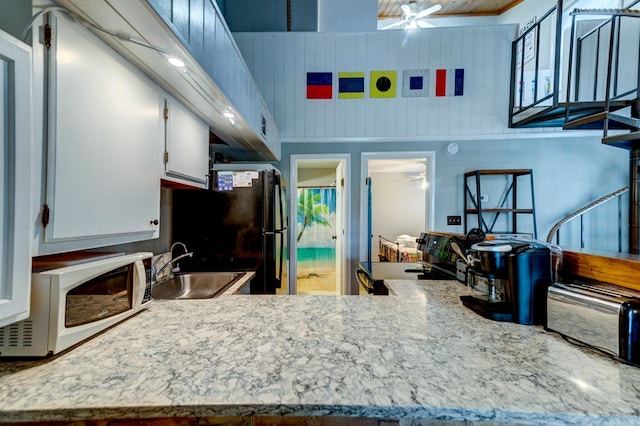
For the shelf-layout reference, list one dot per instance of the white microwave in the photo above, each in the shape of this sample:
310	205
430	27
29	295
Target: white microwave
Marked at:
69	304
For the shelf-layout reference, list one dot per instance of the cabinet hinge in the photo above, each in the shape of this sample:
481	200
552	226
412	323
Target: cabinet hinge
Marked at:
48	35
166	113
44	218
166	157
342	182
366	181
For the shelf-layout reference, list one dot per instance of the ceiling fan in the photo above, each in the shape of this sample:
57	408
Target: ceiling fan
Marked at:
422	177
412	18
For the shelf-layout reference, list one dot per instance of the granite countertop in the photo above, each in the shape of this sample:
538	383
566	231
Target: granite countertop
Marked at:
418	353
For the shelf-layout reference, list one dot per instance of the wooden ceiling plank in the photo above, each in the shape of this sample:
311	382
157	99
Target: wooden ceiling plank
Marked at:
391	8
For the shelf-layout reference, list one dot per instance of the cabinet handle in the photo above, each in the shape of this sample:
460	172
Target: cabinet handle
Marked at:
154	222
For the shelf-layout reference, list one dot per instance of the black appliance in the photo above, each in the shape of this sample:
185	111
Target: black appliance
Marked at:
370	282
371	275
509	280
437	263
438	255
239	224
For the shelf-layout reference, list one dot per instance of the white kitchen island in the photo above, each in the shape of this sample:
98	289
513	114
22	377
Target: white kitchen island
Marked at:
416	354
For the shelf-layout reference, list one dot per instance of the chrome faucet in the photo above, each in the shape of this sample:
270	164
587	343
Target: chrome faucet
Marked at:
154	269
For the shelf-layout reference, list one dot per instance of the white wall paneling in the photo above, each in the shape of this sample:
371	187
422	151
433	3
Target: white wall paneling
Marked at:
279	63
527	10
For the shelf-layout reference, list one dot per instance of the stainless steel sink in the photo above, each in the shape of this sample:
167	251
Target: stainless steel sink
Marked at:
195	285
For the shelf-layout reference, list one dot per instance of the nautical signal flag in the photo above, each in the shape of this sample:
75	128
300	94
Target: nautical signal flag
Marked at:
350	85
383	84
450	82
415	83
319	85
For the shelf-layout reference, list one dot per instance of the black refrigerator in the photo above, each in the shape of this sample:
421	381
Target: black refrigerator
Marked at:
239	224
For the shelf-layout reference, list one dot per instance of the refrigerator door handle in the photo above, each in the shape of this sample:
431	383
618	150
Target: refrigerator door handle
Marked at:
279	192
281	260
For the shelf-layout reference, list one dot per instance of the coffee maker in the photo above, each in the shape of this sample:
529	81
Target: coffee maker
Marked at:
508	280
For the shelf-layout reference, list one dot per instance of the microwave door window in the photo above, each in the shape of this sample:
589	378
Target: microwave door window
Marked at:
102	297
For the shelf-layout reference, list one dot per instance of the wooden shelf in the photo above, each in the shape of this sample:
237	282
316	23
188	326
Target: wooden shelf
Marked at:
521	211
515	172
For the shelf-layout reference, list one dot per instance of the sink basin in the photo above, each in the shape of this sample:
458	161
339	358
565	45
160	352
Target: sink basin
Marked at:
195	285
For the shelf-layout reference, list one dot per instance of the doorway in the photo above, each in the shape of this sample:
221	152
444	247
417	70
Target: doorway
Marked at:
318	223
397	201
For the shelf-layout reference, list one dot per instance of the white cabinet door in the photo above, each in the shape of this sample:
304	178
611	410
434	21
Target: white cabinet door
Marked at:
15	179
105	130
187	145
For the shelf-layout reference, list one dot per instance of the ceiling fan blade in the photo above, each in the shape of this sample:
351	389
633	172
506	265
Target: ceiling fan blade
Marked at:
394	25
424	24
428	11
406	10
409	178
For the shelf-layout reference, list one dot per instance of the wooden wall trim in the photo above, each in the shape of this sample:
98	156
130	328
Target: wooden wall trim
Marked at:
614	268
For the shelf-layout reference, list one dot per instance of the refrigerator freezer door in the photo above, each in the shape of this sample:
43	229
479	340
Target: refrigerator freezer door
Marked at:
237	225
222	228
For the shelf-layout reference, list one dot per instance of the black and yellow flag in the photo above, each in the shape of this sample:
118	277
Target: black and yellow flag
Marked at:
383	84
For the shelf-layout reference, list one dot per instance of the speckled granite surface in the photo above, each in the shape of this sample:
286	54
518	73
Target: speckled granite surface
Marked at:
416	354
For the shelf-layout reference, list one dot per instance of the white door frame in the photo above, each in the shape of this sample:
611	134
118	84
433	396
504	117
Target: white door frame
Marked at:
345	159
429	194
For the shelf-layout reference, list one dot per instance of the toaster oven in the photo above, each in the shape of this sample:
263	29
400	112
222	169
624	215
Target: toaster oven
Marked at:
602	316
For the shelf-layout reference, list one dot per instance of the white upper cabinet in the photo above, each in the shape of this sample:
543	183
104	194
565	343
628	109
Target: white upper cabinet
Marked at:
15	178
186	153
202	29
105	130
215	82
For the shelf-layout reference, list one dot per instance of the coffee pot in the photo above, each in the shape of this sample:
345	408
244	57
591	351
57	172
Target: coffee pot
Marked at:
508	279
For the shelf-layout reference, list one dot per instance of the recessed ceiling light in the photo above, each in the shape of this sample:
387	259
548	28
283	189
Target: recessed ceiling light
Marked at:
230	116
176	62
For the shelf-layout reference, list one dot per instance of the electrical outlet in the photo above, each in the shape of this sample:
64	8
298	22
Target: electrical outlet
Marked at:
484	198
454	220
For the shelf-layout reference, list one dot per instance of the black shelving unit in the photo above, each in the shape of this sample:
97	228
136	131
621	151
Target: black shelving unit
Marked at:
488	217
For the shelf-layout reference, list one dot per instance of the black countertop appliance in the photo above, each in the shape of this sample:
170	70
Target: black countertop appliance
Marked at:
509	280
437	263
438	254
238	224
371	275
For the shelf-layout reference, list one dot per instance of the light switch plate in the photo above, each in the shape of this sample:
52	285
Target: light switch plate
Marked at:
454	220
